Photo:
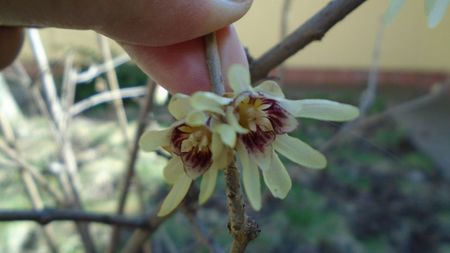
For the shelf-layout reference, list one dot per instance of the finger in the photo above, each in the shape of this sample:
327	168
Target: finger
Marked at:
182	67
11	39
160	23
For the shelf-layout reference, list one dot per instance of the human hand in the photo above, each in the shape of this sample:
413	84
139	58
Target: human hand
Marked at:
162	36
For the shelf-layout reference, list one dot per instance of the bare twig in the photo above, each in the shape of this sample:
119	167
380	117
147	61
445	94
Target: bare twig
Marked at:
111	76
213	63
132	158
243	228
313	29
106	96
46	216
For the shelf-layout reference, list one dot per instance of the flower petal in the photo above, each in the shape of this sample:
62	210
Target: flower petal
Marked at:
263	159
233	121
221	155
173	170
216	145
250	178
239	78
277	179
207	185
196	163
299	152
227	134
152	140
270	88
320	109
176	195
196	118
179	106
208	101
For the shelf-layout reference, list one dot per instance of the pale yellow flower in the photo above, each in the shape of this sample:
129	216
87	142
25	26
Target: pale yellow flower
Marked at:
197	150
261	118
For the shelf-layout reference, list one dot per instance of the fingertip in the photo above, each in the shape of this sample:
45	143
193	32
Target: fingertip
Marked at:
11	40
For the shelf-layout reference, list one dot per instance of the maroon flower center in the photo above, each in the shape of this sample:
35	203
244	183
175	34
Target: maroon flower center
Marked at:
265	118
192	144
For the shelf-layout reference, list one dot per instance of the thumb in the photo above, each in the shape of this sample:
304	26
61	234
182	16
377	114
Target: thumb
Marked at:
182	67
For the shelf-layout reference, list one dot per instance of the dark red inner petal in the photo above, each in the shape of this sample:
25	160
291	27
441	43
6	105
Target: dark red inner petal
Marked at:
177	138
278	116
197	161
257	141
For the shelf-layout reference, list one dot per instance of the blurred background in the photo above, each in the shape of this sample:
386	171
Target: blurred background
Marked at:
387	185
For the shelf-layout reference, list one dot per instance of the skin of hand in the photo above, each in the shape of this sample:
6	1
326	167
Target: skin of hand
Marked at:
162	36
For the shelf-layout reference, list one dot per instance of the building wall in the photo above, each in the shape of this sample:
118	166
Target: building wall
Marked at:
408	44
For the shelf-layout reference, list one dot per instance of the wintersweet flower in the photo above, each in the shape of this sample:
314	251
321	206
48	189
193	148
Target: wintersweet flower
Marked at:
197	150
261	118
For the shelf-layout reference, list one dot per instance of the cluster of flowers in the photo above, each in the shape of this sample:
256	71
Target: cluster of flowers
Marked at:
251	124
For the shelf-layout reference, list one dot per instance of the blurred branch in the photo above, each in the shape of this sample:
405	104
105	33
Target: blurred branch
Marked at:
62	139
438	91
200	232
313	29
369	94
140	236
68	83
284	28
28	183
96	70
34	172
46	216
113	83
132	158
285	16
106	96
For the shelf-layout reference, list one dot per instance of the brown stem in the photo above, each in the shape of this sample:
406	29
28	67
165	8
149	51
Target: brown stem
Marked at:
243	228
213	64
313	29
